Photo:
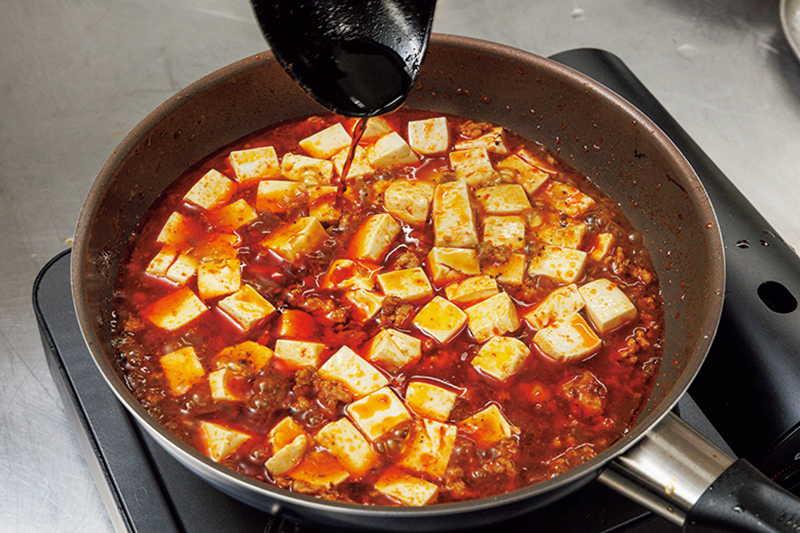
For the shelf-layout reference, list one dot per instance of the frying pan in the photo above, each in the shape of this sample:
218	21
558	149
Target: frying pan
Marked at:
660	462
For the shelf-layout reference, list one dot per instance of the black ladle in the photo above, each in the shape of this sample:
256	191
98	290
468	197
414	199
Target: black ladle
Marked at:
358	58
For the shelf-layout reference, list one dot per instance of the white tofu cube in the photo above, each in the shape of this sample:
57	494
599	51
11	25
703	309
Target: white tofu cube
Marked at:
246	307
348	274
505	231
495	316
255	164
452	264
298	354
353	372
177	229
472	166
248	353
211	191
221	441
288	457
276	196
376	127
493	141
603	245
322	203
429	448
503	199
409	201
307	170
429	136
390	151
349	446
561	264
159	265
218	278
182	369
560	303
283	433
297	239
453	219
405	488
219	389
378	413
392	349
487	427
471	290
364	305
175	310
410	284
430	401
567	339
606	305
359	167
566	199
569	235
440	319
182	270
319	471
374	237
327	142
512	272
528	176
233	216
501	357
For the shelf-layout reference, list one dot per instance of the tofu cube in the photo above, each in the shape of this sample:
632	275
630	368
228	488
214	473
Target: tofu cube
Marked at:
327	142
566	199
405	488
246	307
159	264
218	386
296	324
493	141
297	239
353	372
390	151
501	357
211	191
487	427
322	204
246	354
561	264
374	237
409	201
472	166
429	448
567	339
176	230
503	199
566	236
255	164
429	136
393	350
410	284
233	216
378	413
560	303
452	264
182	369
218	278
440	319
359	167
307	170
175	310
347	274
505	231
453	219
221	441
182	270
495	316
603	245
528	176
606	305
430	401
376	127
349	446
364	305
298	354
512	272
283	433
319	471
275	196
471	290
288	457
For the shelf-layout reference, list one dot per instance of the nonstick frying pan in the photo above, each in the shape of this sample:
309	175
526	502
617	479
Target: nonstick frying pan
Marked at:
661	462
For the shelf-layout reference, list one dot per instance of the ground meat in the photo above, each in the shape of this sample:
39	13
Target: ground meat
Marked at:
395	313
269	392
329	394
472	129
407	260
570	459
325	309
489	254
585	395
635	343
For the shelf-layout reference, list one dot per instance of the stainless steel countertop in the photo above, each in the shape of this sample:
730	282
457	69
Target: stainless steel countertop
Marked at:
76	76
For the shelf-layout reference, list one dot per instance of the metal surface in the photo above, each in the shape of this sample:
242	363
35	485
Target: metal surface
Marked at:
77	76
790	21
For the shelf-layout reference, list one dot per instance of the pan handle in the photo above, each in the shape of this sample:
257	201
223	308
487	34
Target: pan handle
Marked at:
678	474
